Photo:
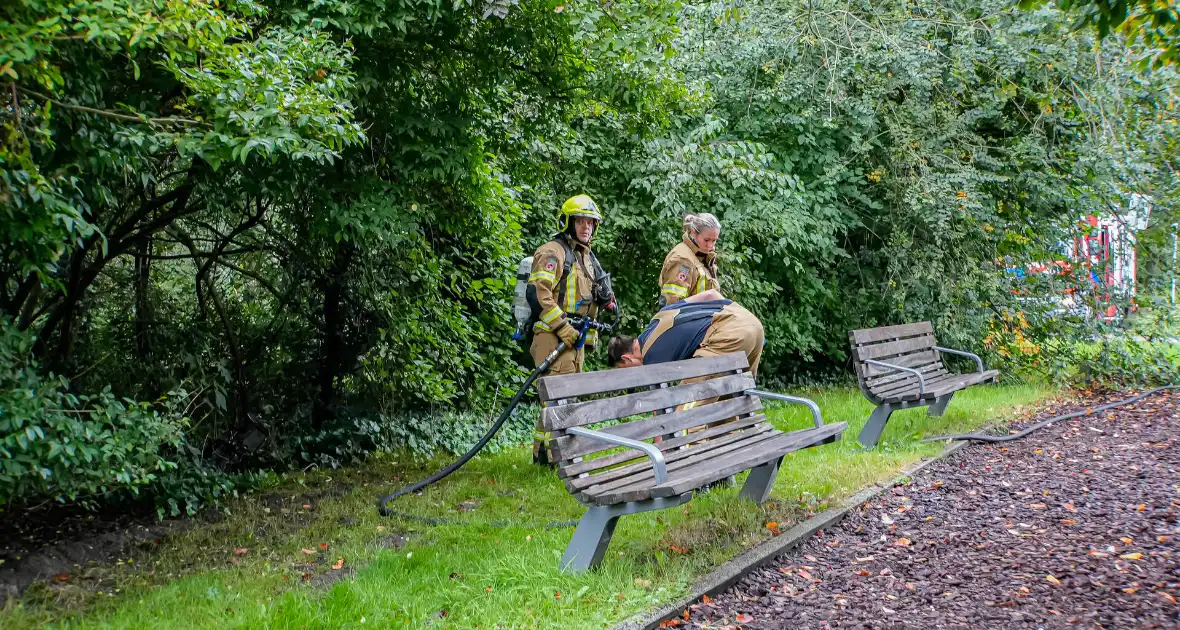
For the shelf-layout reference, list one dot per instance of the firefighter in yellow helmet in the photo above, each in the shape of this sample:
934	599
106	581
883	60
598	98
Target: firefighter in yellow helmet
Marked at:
691	267
566	280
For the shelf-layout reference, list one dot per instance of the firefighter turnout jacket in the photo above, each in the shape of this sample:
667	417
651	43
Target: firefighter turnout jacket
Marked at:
558	293
687	271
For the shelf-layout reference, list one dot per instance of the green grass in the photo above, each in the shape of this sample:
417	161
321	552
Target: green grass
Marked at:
481	575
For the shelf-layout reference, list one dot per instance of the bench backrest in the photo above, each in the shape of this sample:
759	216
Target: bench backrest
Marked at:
907	345
642	391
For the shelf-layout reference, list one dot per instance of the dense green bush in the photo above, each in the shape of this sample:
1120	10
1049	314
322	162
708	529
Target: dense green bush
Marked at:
67	447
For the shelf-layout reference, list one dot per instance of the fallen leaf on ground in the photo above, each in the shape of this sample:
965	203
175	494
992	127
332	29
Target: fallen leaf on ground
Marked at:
706	599
1168	597
310	552
772	525
1038	506
805	575
1052	579
744	618
1126	540
241	551
339	563
62	577
1141	507
902	542
1069	521
1131	556
671	623
1130	591
864	572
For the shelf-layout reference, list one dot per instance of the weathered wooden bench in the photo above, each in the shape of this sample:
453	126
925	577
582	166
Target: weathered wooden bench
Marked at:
666	456
900	367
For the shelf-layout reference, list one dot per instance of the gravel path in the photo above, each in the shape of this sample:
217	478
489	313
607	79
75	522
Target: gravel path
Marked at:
1072	527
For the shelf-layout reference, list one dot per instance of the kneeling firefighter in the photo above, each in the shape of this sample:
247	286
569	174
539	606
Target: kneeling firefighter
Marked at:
565	280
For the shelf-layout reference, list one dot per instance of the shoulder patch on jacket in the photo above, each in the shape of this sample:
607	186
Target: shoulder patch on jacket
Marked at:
551	263
682	275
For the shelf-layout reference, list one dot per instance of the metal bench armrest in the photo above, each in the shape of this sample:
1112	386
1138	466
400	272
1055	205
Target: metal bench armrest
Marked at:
921	381
978	361
815	413
653	453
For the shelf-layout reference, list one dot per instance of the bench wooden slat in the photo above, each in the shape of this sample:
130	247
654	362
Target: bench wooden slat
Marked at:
569	447
882	351
599	463
638	486
955	383
624	475
931	382
693	477
931	369
872	335
594	411
909	360
590	383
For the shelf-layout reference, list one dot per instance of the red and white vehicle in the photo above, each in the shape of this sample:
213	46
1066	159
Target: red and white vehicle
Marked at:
1101	259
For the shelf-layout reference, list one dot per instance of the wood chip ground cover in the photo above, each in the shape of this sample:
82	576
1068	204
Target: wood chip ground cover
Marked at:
1072	527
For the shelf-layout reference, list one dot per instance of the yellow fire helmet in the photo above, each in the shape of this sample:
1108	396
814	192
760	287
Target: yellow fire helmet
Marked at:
578	206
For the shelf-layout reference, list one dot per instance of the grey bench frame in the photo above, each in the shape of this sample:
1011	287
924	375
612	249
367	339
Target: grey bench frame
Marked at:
697	447
899	367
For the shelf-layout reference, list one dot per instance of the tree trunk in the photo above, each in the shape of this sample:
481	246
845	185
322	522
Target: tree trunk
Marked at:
144	317
332	336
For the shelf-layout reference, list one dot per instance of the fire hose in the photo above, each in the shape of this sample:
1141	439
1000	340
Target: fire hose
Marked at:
584	325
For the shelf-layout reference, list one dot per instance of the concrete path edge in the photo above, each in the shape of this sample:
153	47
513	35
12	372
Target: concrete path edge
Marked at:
729	573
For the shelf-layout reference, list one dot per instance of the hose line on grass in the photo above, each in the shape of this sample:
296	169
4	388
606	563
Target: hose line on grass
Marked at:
980	437
383	503
584	324
436	521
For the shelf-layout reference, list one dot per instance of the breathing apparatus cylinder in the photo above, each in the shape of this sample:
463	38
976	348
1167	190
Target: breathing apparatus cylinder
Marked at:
521	310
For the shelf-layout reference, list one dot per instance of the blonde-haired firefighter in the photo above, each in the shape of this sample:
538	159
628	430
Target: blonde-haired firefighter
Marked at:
566	280
691	267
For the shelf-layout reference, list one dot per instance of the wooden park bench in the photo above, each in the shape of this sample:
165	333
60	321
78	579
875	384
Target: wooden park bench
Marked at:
667	456
900	367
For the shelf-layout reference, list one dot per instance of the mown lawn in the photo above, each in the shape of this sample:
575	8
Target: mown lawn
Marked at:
493	564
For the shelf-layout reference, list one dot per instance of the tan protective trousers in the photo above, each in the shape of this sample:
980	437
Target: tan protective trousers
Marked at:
568	362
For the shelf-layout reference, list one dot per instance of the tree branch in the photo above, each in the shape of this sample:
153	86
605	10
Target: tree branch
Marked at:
192	255
166	120
250	274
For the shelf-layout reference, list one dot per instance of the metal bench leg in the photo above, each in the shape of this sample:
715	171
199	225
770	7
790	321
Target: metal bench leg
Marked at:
875	426
590	540
760	482
939	406
592	537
